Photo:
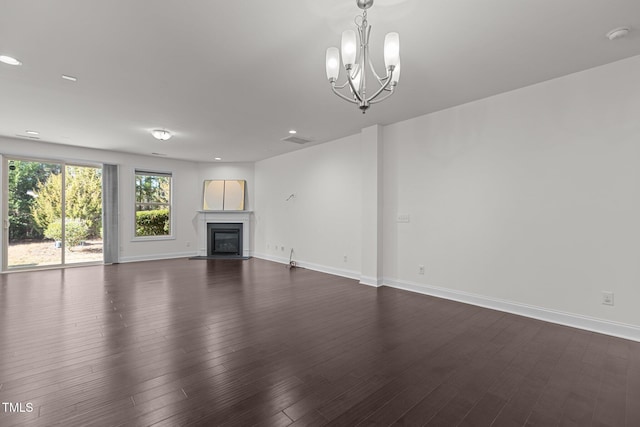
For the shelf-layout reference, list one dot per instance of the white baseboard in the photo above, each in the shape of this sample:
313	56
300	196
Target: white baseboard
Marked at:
621	330
157	257
278	259
371	281
311	266
349	274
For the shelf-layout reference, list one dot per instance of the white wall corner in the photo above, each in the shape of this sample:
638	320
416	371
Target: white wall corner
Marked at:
621	330
372	203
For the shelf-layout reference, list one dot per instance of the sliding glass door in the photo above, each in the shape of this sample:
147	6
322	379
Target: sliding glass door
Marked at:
28	246
54	214
83	213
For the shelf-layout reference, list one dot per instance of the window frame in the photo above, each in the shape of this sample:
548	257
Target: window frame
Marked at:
153	172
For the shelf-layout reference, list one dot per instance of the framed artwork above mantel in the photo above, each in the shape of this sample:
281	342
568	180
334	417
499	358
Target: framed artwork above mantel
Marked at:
223	195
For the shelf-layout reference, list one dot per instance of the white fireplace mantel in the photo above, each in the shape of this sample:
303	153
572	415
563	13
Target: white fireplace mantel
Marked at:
206	217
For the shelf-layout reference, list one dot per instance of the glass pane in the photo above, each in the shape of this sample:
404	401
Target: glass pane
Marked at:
83	210
34	209
226	242
153	204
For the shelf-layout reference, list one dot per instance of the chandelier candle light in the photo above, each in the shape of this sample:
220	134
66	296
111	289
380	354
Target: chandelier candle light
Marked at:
356	60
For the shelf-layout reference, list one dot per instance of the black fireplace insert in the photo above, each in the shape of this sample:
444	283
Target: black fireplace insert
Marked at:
224	239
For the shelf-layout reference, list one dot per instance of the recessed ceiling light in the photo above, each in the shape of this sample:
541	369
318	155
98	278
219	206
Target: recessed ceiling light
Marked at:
292	132
618	33
70	78
161	134
33	132
218	158
9	60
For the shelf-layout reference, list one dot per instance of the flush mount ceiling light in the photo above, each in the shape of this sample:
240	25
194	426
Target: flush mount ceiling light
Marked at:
356	59
161	134
617	33
9	60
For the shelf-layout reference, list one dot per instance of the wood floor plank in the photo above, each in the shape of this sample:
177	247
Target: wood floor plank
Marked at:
233	342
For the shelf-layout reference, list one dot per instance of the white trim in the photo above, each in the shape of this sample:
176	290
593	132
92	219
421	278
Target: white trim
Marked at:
156	257
4	212
371	281
172	219
616	329
621	330
273	258
153	238
205	217
349	274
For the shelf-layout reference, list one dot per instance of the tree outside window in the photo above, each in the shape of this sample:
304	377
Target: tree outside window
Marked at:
153	204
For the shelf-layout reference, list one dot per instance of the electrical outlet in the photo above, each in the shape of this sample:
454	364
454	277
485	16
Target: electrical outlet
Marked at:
344	258
403	218
607	298
282	248
188	244
421	269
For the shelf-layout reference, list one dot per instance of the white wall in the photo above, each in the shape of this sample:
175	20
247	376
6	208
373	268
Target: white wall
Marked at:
530	197
526	202
322	222
186	193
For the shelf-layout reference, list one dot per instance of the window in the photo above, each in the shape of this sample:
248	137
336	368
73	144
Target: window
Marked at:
153	204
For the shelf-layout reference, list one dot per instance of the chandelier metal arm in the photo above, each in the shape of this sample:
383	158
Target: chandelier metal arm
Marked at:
375	101
373	70
342	86
355	91
365	32
346	98
383	87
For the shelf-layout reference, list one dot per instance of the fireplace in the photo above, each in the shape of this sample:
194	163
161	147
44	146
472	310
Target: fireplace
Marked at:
222	220
224	239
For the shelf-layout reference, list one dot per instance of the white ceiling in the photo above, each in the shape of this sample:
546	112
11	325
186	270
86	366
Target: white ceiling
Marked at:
230	78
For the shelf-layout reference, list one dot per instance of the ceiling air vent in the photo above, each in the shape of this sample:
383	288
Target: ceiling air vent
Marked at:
296	139
27	136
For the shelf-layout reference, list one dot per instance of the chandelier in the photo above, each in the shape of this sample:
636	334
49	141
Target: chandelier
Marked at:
355	61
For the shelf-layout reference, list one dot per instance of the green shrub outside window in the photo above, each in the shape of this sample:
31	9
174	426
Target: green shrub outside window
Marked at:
153	204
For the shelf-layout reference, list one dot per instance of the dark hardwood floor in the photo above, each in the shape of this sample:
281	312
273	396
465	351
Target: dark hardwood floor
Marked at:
232	342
